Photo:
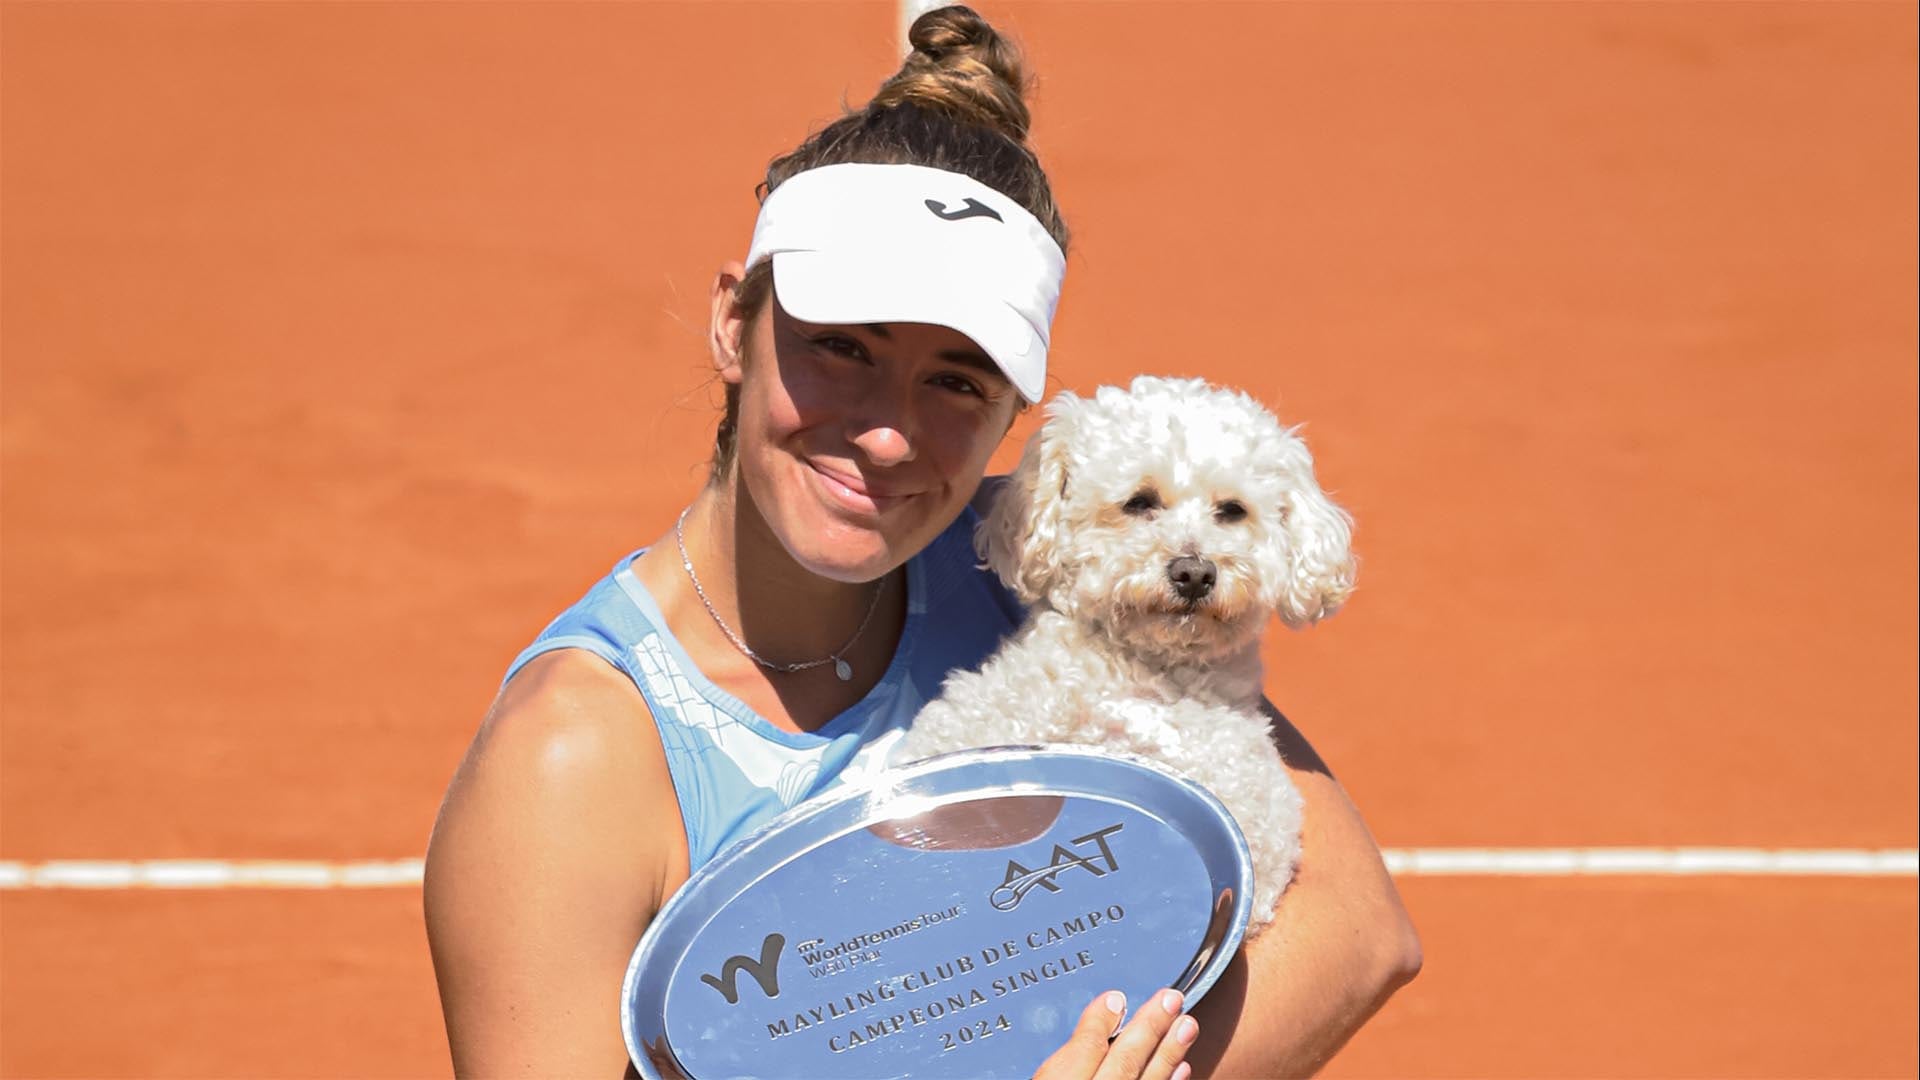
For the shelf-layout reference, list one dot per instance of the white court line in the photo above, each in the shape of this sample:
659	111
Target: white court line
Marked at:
1686	861
210	874
1403	862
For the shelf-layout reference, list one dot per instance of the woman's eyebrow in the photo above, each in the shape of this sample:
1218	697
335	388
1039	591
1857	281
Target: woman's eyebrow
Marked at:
979	362
967	358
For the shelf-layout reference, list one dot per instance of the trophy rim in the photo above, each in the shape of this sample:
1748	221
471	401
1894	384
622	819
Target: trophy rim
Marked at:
853	806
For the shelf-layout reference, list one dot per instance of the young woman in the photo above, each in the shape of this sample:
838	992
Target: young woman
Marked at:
889	322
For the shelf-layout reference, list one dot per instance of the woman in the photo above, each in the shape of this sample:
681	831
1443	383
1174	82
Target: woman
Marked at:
890	321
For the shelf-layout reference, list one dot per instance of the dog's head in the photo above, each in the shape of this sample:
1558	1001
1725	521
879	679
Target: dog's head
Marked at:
1173	514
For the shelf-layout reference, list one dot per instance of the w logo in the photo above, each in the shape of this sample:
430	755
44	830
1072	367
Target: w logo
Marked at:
765	971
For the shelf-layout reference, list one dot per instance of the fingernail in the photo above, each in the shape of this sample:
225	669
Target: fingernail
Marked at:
1170	1000
1116	1002
1186	1029
1185	1070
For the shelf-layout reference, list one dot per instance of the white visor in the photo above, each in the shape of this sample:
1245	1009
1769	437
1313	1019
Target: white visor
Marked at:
906	243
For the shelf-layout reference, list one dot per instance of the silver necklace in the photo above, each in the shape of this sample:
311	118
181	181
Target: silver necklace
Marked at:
840	667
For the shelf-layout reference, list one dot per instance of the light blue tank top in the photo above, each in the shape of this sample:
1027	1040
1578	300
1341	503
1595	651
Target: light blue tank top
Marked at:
732	770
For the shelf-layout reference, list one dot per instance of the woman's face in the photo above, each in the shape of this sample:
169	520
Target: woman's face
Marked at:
858	444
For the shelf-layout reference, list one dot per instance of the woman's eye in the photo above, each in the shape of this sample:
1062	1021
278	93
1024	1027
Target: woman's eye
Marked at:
841	346
1229	511
1143	502
960	384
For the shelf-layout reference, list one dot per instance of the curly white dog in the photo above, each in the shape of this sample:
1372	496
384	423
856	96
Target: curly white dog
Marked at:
1152	532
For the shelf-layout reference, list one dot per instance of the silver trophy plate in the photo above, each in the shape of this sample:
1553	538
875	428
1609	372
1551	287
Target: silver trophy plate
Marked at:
948	919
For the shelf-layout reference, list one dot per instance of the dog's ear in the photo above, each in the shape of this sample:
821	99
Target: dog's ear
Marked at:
1021	537
1320	561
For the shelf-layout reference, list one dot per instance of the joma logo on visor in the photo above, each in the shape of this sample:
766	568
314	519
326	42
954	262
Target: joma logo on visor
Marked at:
973	208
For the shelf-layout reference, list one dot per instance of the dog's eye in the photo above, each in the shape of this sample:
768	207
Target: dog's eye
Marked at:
1143	502
1229	511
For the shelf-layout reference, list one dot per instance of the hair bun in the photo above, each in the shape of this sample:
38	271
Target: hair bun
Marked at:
962	67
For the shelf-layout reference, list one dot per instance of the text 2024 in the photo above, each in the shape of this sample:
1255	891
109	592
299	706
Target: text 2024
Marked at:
979	1029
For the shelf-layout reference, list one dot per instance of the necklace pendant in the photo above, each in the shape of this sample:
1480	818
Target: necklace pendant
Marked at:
843	669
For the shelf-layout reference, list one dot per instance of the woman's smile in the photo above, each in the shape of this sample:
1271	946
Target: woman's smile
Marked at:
846	488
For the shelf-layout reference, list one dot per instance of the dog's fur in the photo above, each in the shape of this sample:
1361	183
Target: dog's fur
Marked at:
1112	654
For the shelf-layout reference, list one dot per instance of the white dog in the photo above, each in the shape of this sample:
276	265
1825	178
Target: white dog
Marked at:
1152	532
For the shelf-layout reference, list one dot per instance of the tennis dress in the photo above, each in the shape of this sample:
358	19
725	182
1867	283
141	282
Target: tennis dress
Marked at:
732	770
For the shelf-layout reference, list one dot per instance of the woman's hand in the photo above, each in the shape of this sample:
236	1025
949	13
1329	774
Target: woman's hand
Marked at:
1151	1047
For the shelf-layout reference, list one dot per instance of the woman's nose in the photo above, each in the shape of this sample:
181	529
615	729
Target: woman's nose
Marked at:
885	443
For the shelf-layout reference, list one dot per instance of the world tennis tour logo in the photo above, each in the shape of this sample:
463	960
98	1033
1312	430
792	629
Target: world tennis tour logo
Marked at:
765	971
1020	881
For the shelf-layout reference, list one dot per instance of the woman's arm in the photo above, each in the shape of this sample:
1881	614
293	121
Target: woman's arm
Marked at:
1339	946
551	853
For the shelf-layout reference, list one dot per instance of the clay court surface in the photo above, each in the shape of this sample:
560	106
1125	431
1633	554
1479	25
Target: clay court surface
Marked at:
344	344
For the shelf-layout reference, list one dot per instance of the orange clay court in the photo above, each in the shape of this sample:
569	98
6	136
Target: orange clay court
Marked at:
345	344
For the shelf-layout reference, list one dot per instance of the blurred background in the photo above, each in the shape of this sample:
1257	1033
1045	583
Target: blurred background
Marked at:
345	344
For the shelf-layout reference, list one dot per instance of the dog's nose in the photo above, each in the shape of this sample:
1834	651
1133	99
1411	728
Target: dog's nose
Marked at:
1192	577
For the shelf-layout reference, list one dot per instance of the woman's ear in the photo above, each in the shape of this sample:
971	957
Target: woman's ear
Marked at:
727	323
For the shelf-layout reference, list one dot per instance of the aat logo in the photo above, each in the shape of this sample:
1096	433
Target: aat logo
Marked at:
1020	880
765	971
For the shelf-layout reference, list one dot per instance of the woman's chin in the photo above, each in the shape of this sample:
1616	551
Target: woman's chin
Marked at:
852	573
859	547
844	552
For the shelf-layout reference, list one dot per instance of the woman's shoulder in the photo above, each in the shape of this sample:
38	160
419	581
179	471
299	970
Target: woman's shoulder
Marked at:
569	720
567	769
565	709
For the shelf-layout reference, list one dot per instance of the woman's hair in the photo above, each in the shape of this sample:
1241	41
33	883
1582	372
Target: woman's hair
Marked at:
957	103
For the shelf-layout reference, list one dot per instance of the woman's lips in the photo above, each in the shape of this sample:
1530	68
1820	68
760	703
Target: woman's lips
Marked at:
852	492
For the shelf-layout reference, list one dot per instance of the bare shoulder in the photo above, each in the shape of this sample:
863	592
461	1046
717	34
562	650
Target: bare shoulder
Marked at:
554	847
568	762
565	711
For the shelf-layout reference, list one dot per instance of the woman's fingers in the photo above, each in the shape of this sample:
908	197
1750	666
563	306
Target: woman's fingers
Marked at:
1087	1046
1152	1044
1169	1058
